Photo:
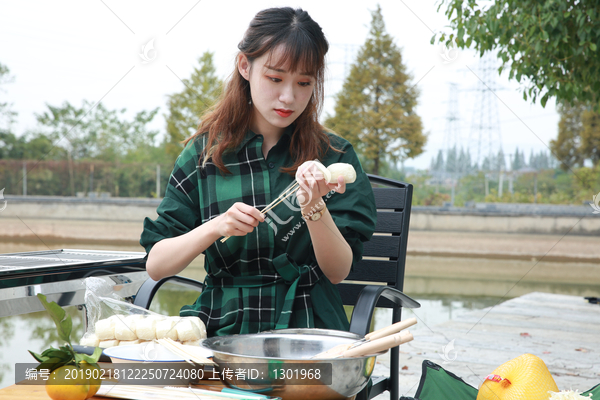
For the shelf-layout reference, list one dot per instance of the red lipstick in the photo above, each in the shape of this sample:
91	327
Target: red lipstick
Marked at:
283	112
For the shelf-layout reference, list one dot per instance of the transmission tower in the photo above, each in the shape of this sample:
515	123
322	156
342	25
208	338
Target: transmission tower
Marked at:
452	139
485	138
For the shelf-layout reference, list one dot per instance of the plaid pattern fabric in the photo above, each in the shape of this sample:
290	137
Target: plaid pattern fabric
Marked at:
268	279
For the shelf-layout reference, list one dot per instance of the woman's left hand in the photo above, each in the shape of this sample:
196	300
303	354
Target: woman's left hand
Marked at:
313	185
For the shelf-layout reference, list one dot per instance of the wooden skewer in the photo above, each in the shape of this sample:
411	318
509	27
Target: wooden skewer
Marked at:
383	332
292	189
183	352
270	207
378	345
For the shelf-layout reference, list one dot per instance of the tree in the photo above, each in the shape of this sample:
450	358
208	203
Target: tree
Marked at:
96	132
464	162
578	135
31	146
201	91
437	163
488	161
550	46
500	161
518	161
6	114
541	161
452	160
375	109
533	161
590	136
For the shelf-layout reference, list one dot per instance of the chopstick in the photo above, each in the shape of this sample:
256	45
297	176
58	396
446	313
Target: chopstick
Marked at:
186	353
293	188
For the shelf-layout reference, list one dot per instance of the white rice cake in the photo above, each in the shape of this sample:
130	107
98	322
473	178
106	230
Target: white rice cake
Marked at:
128	342
165	329
326	173
187	330
344	169
90	340
125	327
105	328
105	344
198	322
145	329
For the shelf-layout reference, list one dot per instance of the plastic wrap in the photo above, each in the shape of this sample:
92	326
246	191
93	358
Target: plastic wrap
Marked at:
110	319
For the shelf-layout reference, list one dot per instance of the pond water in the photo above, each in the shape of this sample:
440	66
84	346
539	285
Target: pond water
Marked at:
441	299
36	331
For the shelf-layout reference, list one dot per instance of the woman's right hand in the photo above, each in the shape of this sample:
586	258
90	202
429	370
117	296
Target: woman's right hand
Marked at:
239	220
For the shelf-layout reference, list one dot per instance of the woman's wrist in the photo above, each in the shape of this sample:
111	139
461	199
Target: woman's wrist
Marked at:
315	213
313	206
211	229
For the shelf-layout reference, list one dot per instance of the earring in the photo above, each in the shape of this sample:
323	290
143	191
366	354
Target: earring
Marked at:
250	101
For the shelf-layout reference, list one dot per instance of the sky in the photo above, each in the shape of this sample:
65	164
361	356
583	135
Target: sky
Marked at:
90	50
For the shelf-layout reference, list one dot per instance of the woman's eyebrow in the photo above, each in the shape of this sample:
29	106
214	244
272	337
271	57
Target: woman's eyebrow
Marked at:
284	71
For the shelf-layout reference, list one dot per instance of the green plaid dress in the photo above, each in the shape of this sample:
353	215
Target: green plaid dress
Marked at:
268	279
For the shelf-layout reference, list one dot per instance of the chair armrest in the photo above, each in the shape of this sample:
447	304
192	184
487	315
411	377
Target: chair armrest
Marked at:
146	293
367	300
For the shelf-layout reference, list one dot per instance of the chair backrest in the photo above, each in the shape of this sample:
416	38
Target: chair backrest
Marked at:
384	256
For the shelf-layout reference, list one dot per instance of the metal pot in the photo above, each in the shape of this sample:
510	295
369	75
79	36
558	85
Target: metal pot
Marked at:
278	363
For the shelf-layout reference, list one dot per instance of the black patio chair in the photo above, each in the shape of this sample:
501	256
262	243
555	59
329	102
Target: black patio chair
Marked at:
382	266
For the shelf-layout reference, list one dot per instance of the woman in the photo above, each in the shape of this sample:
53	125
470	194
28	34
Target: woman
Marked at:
279	270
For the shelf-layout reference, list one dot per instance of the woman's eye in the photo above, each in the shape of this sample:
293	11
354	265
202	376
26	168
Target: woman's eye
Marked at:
274	79
304	83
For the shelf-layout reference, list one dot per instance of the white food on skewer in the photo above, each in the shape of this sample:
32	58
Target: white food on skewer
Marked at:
133	329
326	173
320	167
187	330
198	322
344	169
90	340
105	344
145	329
125	327
128	342
330	174
166	328
105	328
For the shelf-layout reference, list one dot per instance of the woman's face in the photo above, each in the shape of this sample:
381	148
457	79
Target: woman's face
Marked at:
278	96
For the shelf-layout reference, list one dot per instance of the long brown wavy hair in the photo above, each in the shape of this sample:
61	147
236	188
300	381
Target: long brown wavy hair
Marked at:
304	47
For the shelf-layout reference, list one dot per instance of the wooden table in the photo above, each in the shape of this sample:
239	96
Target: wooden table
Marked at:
38	392
29	392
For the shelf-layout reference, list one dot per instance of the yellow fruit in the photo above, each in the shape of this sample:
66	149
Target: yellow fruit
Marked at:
525	377
67	383
92	374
